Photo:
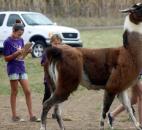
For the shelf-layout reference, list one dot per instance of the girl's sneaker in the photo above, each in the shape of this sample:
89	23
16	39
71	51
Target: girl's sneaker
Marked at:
35	119
17	118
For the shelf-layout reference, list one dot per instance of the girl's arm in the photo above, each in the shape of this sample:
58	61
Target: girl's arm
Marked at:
12	56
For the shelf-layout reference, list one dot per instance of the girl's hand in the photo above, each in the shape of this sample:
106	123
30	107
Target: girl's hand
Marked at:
14	55
18	52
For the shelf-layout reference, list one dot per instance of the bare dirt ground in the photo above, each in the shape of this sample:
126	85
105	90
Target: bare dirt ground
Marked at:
83	108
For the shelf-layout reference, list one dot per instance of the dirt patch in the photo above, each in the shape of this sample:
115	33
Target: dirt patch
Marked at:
83	108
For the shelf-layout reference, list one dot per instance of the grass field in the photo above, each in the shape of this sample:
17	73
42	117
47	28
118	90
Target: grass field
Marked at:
91	39
89	21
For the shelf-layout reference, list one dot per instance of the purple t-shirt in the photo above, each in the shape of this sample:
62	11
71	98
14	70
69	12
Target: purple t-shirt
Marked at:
15	65
141	72
43	60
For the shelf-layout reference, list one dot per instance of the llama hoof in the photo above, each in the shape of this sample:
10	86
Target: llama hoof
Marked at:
138	126
111	128
101	128
141	127
42	128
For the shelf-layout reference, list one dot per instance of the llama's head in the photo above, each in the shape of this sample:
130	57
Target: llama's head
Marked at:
133	21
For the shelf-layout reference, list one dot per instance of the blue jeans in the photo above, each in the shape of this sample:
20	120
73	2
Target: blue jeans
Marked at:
18	76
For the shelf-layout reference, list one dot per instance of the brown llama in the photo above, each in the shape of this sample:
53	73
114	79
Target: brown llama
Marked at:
111	69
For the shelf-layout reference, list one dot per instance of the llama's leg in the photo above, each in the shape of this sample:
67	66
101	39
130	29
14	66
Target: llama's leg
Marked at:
57	114
107	101
46	107
124	99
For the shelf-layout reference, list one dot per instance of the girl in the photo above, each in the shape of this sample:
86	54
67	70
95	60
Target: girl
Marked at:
55	42
16	69
135	98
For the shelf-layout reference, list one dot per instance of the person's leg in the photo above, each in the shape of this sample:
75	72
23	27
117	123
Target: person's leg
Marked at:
26	88
120	108
14	91
47	92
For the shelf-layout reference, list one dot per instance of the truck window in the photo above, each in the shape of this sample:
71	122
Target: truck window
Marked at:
12	18
1	19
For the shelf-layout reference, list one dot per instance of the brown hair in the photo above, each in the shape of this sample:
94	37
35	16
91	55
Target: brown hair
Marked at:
18	25
55	36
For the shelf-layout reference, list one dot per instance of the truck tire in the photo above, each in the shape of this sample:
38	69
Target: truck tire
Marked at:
38	49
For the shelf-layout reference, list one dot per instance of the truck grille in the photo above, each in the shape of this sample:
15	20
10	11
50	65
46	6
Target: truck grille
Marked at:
69	35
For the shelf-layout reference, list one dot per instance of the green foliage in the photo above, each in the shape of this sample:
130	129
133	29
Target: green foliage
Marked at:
91	39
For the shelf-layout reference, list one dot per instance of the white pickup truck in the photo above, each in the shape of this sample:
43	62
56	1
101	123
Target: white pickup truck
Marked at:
38	29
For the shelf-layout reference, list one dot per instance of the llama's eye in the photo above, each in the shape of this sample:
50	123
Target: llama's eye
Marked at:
139	8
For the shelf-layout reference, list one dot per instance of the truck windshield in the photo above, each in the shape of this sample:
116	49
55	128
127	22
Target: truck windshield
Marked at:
36	19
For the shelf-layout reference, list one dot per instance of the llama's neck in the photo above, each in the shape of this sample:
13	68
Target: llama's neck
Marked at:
135	47
134	40
132	27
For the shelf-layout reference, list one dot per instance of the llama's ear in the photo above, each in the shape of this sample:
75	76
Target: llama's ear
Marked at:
124	11
127	10
133	8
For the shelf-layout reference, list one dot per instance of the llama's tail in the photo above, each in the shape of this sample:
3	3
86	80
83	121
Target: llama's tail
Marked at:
54	53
